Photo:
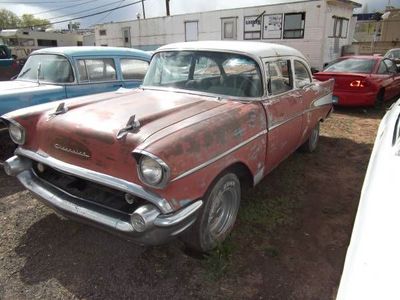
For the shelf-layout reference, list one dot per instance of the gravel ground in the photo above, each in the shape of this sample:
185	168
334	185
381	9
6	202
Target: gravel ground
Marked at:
289	242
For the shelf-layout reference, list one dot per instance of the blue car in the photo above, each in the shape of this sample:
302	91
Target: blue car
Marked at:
65	72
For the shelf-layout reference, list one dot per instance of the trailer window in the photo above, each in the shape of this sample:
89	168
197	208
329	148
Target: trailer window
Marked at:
294	25
47	43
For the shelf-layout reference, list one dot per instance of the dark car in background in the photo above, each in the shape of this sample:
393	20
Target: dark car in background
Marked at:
9	65
362	80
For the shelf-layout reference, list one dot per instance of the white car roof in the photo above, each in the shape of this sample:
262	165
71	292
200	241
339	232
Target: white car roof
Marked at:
258	49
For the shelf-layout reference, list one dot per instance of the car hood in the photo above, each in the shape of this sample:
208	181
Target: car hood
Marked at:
16	85
16	94
86	134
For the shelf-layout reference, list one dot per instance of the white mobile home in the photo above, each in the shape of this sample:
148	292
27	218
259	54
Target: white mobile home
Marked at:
23	41
318	28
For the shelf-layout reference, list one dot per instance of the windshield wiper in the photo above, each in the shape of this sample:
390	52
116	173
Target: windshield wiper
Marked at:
23	73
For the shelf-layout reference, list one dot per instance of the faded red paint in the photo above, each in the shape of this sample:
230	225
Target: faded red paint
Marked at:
184	130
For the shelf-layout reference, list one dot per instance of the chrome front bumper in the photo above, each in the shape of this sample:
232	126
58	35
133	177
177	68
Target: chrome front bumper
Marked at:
160	228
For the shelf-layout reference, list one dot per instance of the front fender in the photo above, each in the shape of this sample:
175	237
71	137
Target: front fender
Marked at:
196	154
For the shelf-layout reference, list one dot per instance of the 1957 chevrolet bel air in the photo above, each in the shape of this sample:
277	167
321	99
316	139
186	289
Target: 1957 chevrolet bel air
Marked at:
171	158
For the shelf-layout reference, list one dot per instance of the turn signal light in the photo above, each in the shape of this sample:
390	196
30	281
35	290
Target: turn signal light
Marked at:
358	83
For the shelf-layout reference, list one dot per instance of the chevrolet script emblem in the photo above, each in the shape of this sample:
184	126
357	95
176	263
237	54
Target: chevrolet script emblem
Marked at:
72	151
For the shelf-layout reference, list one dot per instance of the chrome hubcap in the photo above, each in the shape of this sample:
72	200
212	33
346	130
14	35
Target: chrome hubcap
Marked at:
314	136
222	213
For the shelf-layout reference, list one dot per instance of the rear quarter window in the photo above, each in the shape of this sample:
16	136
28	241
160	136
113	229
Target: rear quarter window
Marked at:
133	69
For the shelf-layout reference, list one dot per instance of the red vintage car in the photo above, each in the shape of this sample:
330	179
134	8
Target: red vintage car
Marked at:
171	158
362	80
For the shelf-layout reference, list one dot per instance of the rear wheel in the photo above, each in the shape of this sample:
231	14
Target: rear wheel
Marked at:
312	142
218	215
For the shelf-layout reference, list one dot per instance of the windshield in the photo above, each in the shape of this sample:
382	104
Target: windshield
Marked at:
352	65
53	68
210	72
394	54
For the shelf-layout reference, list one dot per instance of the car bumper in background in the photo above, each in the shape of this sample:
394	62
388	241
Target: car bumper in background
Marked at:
353	98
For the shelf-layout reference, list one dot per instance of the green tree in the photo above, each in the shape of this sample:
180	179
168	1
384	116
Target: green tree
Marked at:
8	19
28	20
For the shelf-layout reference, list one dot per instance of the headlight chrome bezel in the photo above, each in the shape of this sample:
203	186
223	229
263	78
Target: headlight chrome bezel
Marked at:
140	156
16	125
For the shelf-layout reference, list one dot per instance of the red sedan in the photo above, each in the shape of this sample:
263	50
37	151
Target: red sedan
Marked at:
362	80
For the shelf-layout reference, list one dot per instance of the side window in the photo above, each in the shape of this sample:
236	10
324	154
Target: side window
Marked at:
391	66
302	76
82	71
100	69
133	68
382	68
279	79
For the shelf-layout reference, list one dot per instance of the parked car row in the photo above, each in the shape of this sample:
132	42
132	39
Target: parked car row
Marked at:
170	158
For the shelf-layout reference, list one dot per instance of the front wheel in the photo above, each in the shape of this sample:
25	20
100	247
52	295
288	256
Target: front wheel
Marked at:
312	142
218	215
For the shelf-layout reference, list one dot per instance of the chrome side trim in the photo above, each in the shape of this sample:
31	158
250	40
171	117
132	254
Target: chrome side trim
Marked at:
324	100
327	99
214	159
277	124
107	180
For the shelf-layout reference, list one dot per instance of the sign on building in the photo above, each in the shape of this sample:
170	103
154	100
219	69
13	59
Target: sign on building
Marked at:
272	26
252	28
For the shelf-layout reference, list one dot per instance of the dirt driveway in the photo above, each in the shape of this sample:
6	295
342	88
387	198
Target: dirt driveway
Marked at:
289	242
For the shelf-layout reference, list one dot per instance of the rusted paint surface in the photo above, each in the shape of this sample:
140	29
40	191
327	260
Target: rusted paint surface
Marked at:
185	131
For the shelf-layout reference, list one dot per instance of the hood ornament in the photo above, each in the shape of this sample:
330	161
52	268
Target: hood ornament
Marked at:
61	109
130	126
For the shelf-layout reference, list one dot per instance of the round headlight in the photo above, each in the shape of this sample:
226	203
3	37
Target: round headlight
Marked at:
17	133
150	170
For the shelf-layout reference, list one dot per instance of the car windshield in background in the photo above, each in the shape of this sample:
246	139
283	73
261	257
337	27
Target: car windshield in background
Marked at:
393	54
53	69
352	65
209	72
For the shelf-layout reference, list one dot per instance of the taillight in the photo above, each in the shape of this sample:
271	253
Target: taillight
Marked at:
359	83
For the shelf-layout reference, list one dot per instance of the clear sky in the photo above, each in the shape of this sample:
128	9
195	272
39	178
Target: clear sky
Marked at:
153	8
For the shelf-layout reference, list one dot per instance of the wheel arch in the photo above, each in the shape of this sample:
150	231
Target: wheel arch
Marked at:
241	170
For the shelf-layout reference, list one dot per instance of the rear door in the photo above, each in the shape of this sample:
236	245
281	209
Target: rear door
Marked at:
284	108
95	75
307	90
